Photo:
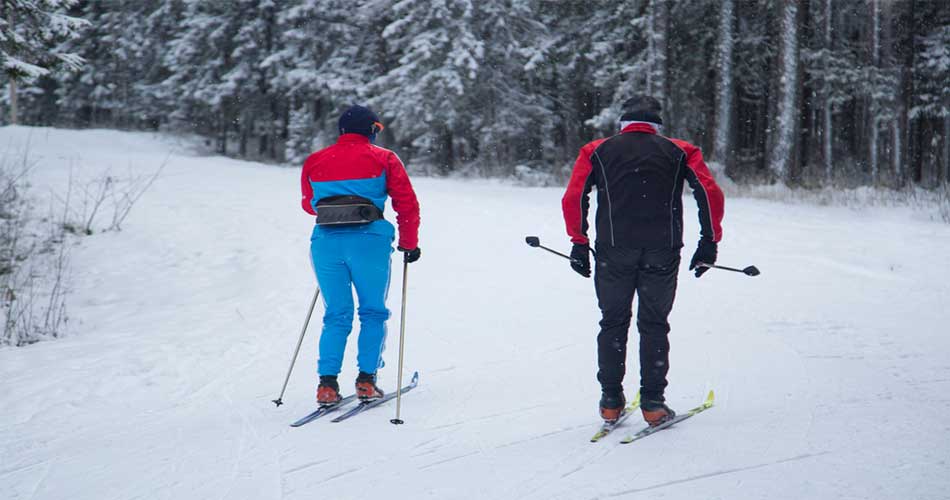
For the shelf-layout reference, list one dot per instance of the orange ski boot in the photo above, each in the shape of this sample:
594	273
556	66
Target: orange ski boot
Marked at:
656	412
328	392
366	388
611	406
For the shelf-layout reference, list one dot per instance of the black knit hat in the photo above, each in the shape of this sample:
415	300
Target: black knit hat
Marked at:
359	120
641	108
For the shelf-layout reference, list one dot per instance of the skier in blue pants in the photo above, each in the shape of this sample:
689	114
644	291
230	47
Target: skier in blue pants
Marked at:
346	186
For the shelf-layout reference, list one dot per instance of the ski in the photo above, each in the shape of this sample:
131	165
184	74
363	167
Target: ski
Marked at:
670	423
360	408
606	428
323	410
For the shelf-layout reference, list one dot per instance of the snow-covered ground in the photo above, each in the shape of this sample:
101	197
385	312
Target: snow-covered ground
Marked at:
831	370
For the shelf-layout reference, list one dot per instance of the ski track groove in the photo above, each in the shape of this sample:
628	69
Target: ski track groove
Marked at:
427	441
341	474
488	417
713	474
36	487
306	466
539	436
452	459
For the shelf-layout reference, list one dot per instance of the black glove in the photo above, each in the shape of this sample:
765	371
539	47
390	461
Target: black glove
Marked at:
706	254
410	256
580	259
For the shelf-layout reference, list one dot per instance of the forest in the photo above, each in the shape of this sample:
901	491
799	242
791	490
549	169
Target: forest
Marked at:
808	93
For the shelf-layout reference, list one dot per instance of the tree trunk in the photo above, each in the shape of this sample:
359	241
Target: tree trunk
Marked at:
784	141
722	148
658	46
874	109
13	102
946	149
827	127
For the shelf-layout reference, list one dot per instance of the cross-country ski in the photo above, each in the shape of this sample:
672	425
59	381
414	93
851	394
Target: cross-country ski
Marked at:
651	429
323	410
368	405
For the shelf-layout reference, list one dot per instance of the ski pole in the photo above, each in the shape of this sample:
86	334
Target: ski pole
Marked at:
280	399
402	343
749	271
534	241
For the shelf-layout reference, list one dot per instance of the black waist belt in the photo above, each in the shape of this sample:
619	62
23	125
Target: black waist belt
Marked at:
346	210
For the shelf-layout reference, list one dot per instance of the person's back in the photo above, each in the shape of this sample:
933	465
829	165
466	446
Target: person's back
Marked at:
639	176
355	166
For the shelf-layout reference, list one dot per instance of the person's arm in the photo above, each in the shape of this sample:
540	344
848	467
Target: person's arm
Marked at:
576	201
306	189
709	197
404	202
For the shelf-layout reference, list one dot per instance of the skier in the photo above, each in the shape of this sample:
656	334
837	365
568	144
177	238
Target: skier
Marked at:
346	186
639	177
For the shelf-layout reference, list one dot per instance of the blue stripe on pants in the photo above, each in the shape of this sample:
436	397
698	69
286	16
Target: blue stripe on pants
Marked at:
343	261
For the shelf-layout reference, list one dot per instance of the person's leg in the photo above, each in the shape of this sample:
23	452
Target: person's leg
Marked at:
333	276
369	259
615	279
656	289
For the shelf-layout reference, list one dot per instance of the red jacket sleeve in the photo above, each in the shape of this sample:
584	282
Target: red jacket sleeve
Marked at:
306	189
404	202
576	200
709	197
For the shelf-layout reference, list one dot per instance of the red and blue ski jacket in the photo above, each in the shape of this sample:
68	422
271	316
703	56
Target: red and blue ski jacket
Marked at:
354	166
639	177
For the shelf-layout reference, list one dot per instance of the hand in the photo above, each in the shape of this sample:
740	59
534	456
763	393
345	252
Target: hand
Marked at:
410	256
705	254
580	259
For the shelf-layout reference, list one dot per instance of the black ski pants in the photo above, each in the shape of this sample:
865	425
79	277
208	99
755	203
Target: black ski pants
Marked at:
650	274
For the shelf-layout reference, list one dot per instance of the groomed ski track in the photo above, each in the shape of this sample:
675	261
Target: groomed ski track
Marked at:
831	369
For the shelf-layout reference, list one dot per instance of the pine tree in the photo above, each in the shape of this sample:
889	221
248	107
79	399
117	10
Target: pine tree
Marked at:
30	37
439	59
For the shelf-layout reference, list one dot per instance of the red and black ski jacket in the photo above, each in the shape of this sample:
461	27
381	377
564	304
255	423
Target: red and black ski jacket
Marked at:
639	178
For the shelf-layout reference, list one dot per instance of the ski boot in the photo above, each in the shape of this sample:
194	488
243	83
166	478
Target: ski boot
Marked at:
656	412
328	392
611	406
366	388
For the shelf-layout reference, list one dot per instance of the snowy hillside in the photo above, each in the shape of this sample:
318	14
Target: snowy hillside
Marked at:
831	370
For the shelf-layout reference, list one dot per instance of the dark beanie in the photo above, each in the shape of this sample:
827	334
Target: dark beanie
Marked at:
358	120
641	108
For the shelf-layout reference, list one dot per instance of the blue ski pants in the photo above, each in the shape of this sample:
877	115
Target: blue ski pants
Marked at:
343	261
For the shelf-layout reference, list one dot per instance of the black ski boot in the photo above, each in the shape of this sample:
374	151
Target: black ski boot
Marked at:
656	412
366	388
611	406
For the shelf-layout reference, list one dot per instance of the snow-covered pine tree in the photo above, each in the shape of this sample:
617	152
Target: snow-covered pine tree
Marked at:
624	58
249	76
31	35
198	58
932	72
326	55
106	91
439	59
513	122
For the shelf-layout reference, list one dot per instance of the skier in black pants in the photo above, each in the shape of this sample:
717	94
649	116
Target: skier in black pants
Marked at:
639	177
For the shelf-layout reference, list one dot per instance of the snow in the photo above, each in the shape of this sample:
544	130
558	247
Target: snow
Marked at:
830	369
